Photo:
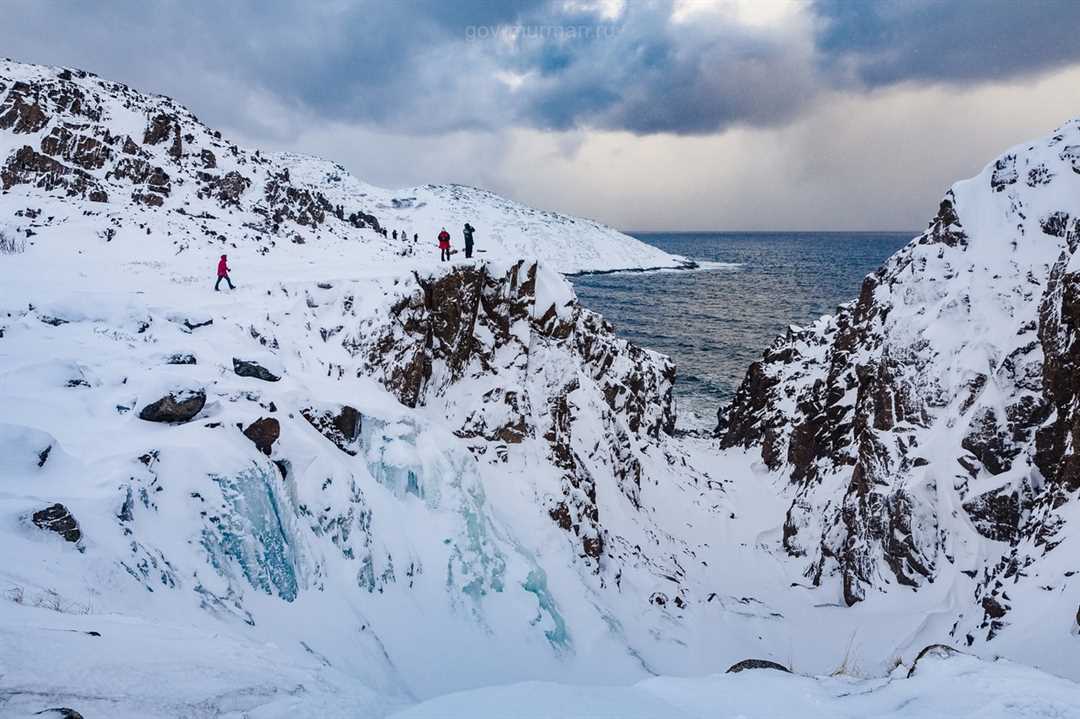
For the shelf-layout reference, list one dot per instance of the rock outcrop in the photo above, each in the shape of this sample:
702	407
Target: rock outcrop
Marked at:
532	362
76	145
747	664
58	519
174	407
250	368
263	432
341	426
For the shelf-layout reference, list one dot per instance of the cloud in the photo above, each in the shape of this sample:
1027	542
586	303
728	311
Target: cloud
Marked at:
958	41
430	66
687	67
652	73
855	161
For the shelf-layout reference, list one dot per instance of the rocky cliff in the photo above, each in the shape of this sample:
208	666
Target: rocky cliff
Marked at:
927	427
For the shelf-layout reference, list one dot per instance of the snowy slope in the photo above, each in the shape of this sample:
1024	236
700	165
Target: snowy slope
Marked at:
131	157
385	478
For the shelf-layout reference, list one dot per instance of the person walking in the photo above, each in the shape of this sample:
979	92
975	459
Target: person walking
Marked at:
468	231
223	273
444	245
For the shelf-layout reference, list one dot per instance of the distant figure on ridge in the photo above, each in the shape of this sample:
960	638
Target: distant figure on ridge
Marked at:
444	245
416	237
469	230
223	273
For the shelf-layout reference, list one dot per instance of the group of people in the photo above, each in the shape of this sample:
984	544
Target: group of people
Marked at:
444	250
397	234
403	235
443	238
444	242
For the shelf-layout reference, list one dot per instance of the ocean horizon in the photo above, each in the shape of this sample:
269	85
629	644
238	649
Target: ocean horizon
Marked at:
751	286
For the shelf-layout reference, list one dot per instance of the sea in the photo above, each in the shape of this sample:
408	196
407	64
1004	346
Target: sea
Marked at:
716	320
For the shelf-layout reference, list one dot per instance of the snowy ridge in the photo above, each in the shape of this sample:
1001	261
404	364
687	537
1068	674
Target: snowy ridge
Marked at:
128	157
505	229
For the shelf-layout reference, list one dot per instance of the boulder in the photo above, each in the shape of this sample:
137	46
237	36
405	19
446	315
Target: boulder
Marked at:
756	664
181	358
342	428
246	368
58	519
993	608
263	432
174	407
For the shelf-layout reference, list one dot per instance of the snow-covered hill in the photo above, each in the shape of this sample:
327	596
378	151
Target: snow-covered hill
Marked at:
127	158
365	479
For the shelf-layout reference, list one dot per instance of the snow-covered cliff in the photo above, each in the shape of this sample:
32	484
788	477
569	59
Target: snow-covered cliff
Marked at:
927	429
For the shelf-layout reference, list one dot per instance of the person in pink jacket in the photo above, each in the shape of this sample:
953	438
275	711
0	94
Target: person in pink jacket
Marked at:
223	273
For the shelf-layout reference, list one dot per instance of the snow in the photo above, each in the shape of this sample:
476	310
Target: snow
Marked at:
955	687
414	571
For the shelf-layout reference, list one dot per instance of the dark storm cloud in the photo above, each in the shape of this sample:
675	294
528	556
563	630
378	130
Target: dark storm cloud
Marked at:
955	41
434	66
399	64
652	75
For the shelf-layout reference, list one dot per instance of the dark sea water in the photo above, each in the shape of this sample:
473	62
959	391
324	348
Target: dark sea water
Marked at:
714	322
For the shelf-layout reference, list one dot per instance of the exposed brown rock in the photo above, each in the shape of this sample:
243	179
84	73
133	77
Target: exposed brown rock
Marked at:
27	166
174	408
342	427
993	608
165	127
21	111
81	150
263	433
996	515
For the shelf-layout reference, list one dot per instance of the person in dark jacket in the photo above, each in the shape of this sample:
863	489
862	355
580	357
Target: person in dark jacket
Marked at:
223	273
395	234
444	245
468	231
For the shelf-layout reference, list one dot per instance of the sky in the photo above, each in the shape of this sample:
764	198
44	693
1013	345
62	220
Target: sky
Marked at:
644	114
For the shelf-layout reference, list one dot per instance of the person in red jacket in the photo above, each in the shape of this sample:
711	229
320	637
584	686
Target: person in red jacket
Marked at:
444	245
223	273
